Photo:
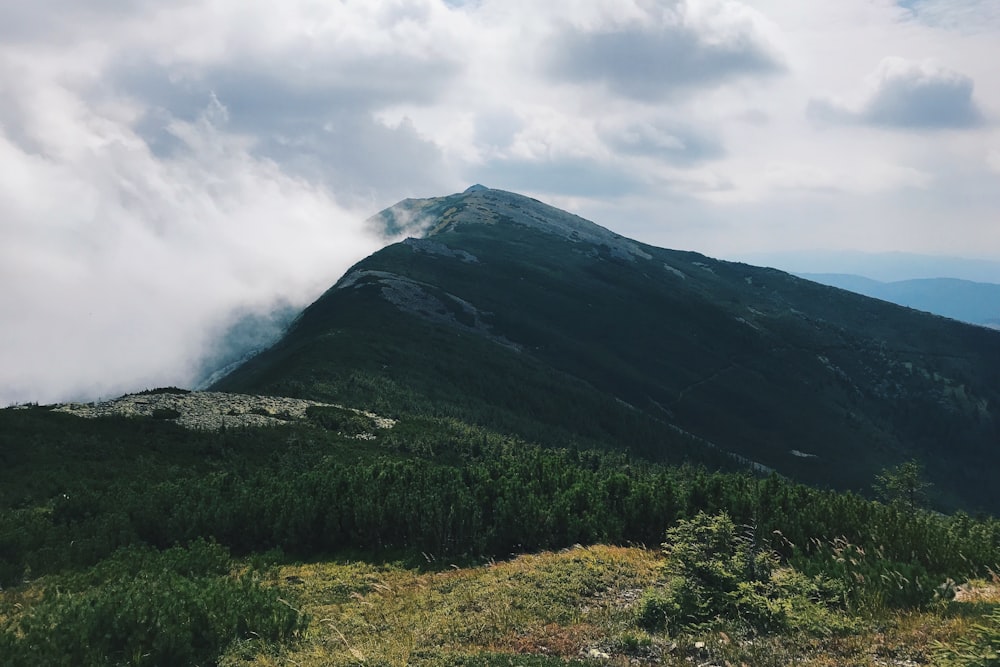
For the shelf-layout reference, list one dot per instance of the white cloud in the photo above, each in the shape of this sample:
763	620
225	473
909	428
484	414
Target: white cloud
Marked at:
664	50
910	95
993	159
119	265
659	138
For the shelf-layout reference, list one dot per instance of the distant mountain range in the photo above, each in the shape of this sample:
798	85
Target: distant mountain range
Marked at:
881	266
503	311
977	303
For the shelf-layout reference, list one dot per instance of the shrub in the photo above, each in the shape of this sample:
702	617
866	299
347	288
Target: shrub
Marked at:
164	390
870	582
657	609
716	572
345	422
199	558
154	619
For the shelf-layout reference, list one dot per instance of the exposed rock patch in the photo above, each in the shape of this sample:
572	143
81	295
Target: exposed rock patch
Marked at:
484	206
430	247
208	410
677	272
427	302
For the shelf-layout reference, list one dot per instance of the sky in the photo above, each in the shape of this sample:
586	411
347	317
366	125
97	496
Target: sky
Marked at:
170	166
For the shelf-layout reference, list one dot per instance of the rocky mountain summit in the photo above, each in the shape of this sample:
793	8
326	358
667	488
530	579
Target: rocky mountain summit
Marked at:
480	205
208	410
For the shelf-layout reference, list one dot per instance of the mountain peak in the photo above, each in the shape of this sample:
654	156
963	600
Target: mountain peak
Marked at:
479	205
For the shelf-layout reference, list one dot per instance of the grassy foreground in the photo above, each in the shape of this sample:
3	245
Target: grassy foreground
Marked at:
134	542
576	606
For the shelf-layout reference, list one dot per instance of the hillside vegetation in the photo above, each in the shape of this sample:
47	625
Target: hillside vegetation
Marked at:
331	541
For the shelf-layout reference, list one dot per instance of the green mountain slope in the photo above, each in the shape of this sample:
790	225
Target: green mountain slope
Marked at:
524	318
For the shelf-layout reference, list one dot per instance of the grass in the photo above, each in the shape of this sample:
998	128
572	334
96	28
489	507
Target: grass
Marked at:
552	605
576	606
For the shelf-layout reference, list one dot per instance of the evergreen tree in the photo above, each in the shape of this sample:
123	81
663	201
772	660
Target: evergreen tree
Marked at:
904	485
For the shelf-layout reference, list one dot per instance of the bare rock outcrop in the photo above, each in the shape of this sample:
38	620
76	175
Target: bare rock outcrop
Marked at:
208	410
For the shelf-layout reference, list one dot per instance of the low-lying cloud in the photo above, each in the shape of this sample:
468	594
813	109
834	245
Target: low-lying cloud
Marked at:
120	267
675	144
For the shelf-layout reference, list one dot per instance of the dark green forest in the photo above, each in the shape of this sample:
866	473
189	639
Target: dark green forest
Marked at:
137	524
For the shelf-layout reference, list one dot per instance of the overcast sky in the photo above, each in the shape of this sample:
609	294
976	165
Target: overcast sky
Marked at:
169	164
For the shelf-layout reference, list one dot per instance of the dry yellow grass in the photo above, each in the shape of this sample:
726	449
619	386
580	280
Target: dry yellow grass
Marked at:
981	591
576	604
13	602
551	604
562	605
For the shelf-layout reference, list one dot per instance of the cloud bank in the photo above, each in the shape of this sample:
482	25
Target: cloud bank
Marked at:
910	95
121	267
665	50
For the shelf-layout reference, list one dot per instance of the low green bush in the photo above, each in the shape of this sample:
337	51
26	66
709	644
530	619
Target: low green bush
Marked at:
715	571
657	609
345	422
871	583
147	608
199	558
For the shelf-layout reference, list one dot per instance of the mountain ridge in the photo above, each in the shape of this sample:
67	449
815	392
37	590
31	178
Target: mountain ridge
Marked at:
522	317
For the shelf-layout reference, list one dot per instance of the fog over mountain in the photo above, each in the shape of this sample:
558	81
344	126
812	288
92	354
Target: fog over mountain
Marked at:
133	285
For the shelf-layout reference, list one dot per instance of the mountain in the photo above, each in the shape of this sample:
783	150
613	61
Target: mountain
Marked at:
881	266
512	314
973	302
